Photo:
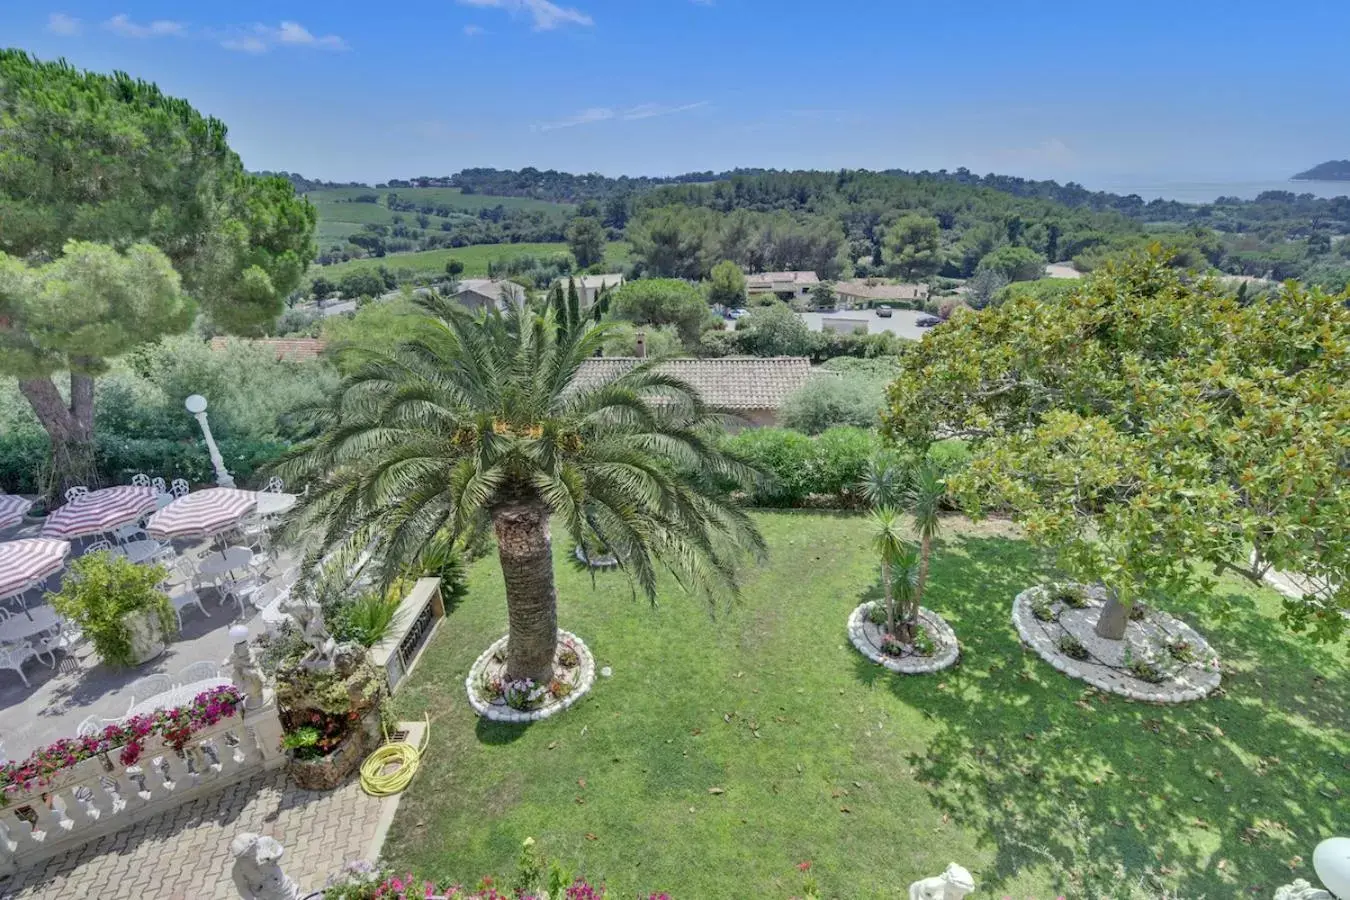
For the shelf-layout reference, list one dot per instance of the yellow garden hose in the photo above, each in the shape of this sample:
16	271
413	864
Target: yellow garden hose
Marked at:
378	780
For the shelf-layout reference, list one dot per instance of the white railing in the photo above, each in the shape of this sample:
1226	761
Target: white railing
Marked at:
100	795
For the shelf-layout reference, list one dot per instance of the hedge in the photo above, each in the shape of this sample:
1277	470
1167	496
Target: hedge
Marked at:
821	471
24	456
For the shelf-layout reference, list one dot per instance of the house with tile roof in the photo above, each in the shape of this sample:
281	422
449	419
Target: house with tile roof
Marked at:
480	293
752	388
285	349
786	285
863	293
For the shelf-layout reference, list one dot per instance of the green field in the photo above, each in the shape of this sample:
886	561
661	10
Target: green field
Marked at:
727	749
475	259
339	217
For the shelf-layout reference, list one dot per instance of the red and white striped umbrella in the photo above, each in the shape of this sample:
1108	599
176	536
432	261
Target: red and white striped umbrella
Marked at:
100	511
202	513
24	563
12	508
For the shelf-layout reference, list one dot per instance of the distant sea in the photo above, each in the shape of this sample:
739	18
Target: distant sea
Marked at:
1209	191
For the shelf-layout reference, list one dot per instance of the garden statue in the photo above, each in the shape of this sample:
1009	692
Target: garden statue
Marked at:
247	673
309	617
257	869
952	884
1301	890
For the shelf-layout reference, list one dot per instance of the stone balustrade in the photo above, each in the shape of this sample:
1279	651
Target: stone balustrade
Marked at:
100	795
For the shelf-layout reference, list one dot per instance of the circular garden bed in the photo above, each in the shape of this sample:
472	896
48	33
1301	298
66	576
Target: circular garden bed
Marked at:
493	696
1160	660
938	651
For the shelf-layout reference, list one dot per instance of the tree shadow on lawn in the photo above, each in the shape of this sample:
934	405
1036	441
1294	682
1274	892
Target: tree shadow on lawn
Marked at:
499	734
1220	796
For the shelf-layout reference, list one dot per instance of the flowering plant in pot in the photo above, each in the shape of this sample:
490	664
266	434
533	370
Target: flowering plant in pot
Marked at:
118	606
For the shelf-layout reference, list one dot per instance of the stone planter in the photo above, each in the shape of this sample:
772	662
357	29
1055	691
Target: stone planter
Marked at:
491	666
866	638
147	637
327	772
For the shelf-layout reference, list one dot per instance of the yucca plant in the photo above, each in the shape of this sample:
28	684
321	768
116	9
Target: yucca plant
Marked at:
488	417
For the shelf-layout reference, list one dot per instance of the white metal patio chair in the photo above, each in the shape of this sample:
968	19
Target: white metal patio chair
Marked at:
275	485
133	531
182	601
201	670
99	546
93	725
144	688
179	487
140	479
76	492
13	656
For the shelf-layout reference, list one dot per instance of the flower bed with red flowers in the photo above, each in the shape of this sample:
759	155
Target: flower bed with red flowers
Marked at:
175	727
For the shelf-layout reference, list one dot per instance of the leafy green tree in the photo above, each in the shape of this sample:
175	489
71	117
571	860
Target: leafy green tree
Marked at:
727	286
486	419
1014	263
983	287
321	288
660	340
586	239
361	283
774	331
107	159
671	242
915	247
454	268
822	295
662	301
827	401
1153	430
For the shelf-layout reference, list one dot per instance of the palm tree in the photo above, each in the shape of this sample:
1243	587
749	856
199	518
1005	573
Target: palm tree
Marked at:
924	498
487	420
898	560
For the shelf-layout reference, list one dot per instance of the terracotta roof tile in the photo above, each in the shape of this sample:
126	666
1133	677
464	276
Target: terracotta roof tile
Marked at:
734	383
289	349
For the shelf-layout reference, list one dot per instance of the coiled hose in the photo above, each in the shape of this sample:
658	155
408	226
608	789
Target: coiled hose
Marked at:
376	781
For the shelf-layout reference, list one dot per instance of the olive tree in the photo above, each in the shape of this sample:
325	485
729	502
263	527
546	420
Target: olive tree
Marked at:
108	159
1154	430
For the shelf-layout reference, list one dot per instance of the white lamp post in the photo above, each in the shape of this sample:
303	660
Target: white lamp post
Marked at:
196	404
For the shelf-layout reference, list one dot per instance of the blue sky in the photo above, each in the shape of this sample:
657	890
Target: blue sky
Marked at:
1089	91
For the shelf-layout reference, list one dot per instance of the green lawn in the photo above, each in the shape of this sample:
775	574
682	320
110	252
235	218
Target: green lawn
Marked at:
338	217
877	779
475	258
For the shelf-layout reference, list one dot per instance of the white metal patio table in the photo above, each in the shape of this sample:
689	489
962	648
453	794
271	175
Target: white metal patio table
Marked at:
274	504
176	697
140	551
21	626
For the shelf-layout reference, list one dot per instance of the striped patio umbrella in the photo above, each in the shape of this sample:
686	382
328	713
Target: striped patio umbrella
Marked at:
202	513
25	563
12	509
100	511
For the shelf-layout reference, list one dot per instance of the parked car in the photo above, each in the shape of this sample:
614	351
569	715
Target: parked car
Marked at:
884	311
734	314
927	321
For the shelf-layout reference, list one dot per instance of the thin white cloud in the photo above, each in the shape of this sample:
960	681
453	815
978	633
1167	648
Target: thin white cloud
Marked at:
629	114
545	14
64	25
122	25
260	38
473	30
651	110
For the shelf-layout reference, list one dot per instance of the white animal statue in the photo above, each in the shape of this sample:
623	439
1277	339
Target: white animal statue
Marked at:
257	869
1301	890
952	884
309	617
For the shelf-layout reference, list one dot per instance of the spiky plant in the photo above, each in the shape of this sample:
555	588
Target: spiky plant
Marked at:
488	418
924	499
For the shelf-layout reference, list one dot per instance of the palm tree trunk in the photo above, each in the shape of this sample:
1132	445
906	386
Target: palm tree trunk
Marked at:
925	553
526	553
890	599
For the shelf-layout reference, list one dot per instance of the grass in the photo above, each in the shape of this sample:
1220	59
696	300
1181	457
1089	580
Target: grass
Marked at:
338	217
877	779
475	258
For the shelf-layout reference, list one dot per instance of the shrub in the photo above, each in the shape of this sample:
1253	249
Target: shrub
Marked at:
100	590
799	466
826	401
1042	609
662	301
366	619
1071	647
877	614
1182	650
774	331
1070	595
924	645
